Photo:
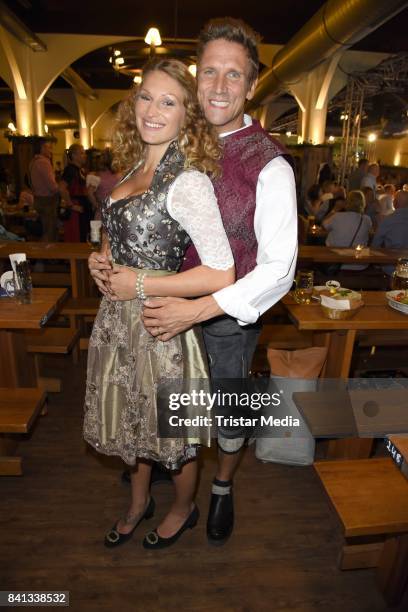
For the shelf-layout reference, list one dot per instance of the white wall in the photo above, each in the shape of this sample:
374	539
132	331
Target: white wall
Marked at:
392	152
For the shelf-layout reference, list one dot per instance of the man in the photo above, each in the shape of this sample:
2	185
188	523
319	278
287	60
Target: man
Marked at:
370	179
257	199
392	233
45	189
357	175
386	200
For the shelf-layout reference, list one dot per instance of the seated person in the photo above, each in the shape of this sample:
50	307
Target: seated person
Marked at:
26	198
385	203
314	205
349	227
392	233
337	204
328	190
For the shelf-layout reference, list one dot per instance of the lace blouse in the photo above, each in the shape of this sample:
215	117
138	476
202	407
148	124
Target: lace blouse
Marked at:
192	203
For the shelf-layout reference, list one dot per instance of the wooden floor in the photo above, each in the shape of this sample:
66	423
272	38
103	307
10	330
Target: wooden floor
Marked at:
282	556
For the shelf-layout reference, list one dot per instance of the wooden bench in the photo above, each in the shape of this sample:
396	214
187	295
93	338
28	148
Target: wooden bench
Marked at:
81	306
84	308
370	497
51	279
19	409
52	340
382	338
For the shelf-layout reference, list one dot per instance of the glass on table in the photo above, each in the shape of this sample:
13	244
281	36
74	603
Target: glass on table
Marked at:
22	282
399	279
94	236
303	286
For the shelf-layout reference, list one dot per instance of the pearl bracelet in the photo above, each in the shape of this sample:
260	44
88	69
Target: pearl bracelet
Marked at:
140	286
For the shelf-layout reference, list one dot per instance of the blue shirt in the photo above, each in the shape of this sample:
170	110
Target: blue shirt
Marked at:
392	233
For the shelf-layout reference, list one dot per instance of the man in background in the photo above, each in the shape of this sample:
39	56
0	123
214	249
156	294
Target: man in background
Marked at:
357	175
45	189
370	179
392	233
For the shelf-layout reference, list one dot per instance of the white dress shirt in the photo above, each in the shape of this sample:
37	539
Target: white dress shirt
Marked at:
275	226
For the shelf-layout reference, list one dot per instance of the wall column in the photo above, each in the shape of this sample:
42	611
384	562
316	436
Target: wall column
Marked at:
312	95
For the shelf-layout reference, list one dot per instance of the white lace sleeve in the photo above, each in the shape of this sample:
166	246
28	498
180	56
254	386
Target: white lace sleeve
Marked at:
191	201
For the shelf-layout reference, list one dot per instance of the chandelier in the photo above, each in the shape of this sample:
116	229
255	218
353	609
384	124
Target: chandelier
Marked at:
129	57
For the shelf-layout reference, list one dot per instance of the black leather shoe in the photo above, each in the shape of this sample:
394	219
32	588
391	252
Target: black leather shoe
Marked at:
114	537
153	541
220	521
159	475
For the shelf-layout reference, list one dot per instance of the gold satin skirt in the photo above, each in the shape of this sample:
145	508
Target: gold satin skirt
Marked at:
125	366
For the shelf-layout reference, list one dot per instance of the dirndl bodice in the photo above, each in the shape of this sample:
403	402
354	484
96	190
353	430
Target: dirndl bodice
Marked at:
141	232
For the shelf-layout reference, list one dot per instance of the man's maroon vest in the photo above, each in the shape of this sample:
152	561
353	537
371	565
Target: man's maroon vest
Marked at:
245	154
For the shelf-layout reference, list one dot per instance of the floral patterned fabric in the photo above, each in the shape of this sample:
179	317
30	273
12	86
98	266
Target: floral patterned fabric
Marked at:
125	366
141	232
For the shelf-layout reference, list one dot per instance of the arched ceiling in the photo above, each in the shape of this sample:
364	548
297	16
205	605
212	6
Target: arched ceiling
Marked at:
277	22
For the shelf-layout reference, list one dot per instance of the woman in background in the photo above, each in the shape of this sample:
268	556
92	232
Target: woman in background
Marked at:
108	178
74	196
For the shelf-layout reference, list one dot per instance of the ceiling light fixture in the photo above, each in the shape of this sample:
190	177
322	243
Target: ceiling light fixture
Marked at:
153	39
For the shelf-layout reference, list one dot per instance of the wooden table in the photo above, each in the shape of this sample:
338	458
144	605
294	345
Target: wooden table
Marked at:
16	366
324	254
76	253
339	338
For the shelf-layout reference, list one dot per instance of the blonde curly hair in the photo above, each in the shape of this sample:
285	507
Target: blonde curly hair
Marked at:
197	140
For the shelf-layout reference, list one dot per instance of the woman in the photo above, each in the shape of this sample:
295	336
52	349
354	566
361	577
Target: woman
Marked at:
349	227
75	202
108	178
164	199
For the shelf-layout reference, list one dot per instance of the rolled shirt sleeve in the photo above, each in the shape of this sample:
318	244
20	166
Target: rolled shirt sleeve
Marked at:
275	225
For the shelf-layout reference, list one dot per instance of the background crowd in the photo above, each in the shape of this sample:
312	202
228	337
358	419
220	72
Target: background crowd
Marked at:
370	212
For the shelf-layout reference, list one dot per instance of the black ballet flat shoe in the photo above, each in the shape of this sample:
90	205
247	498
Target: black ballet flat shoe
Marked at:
152	540
220	521
159	475
114	538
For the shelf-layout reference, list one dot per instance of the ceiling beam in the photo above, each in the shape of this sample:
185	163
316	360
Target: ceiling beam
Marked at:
78	84
18	28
